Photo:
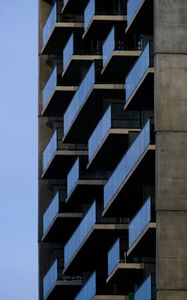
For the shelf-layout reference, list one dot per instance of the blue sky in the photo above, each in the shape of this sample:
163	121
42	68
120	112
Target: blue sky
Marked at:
18	151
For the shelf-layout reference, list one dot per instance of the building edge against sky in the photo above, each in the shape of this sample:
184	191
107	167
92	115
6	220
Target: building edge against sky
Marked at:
112	149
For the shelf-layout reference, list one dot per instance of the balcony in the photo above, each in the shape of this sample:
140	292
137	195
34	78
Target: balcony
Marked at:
79	59
55	284
103	14
140	82
147	290
57	30
93	289
111	134
93	230
72	7
120	271
56	218
116	55
88	100
56	96
138	10
142	231
82	182
58	158
137	165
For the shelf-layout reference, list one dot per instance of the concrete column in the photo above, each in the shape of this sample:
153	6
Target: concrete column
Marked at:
170	25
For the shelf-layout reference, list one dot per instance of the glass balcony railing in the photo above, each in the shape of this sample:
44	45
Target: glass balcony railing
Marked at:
51	212
89	289
140	221
95	7
110	45
128	162
65	2
147	290
114	256
89	13
50	87
50	24
139	69
54	274
73	177
132	8
68	52
80	234
52	147
79	98
99	133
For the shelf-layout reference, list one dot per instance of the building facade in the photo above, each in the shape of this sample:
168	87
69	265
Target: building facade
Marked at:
112	150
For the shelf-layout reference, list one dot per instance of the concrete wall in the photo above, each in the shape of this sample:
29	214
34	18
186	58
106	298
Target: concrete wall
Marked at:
170	25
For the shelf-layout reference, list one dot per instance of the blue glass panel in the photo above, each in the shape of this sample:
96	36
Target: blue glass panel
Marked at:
73	176
140	221
51	213
78	237
50	278
68	52
89	13
50	150
79	98
127	163
132	8
65	2
99	133
108	47
49	88
113	256
89	289
144	291
137	72
50	24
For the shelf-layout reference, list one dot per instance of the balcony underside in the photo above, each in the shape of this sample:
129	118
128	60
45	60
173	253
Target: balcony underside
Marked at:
78	62
116	141
59	37
143	96
61	163
94	32
100	239
126	275
92	106
145	245
145	13
59	101
131	189
68	289
85	190
122	61
76	7
62	227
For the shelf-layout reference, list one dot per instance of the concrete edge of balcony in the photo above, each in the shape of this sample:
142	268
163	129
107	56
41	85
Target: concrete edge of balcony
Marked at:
125	266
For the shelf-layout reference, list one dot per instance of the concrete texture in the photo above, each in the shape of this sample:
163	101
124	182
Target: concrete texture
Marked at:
171	171
170	26
171	90
172	295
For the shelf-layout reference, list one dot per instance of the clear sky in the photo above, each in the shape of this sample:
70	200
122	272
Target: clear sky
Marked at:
18	150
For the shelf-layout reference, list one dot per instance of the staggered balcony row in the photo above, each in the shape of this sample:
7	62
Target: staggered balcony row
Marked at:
85	236
60	22
95	126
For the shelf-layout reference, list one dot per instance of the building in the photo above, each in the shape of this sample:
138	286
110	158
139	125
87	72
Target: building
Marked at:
112	149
